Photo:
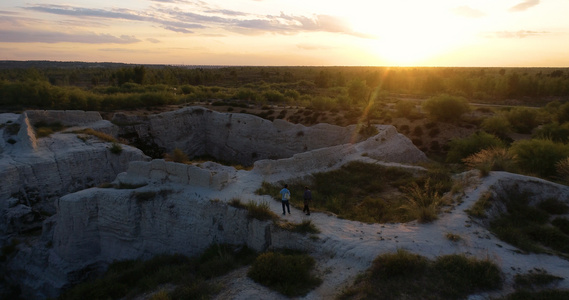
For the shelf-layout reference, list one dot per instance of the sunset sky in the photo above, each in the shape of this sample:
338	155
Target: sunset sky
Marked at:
505	33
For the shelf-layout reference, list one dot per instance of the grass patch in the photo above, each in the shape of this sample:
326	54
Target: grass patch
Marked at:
44	129
288	274
102	136
535	279
528	227
363	192
116	148
260	211
479	208
404	275
304	227
130	278
453	237
423	202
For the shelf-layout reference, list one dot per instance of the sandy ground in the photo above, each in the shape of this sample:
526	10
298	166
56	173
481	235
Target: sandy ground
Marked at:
346	248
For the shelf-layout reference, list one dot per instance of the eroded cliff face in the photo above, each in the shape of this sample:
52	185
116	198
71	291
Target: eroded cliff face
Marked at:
239	138
155	207
35	171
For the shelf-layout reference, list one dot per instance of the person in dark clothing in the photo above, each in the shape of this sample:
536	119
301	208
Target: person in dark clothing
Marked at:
307	199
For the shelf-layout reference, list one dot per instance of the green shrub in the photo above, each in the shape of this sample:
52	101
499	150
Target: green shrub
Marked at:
260	211
321	103
497	125
553	206
492	159
289	274
404	275
303	227
522	119
463	148
423	202
526	226
399	264
123	279
534	279
539	156
44	129
446	108
562	169
553	131
116	148
274	96
102	136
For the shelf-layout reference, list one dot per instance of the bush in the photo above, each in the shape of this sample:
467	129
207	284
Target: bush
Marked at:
274	96
523	120
177	156
423	202
260	211
323	103
446	108
497	125
492	159
462	148
539	156
404	108
116	148
554	132
404	275
287	274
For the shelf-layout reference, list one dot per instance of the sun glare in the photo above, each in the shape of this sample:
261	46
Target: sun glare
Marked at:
417	39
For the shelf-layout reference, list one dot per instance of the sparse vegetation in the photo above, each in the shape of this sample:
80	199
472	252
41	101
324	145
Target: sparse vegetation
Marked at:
404	275
44	129
102	136
524	226
304	227
288	273
260	211
492	159
115	148
177	156
127	279
352	193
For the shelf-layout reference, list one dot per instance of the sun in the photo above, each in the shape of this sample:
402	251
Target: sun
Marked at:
415	40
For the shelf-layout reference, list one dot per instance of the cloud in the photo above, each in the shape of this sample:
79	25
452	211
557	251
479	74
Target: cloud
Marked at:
524	5
226	12
51	37
88	12
153	40
468	12
199	16
308	46
517	34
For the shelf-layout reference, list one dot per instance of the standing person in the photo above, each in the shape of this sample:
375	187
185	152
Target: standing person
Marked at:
285	196
307	199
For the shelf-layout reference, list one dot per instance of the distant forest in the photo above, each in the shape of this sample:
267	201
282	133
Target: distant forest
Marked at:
113	86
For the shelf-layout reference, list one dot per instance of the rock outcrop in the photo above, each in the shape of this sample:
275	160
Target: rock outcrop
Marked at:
154	207
239	138
35	171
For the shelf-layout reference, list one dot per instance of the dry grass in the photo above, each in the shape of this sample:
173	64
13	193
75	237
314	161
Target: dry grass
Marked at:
100	135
